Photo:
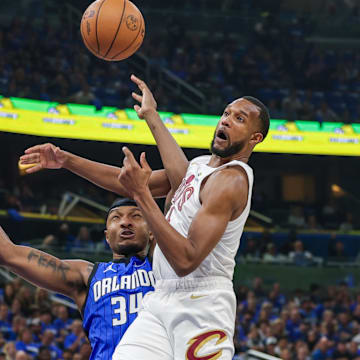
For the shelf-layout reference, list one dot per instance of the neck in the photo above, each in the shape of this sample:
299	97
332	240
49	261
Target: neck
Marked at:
217	161
141	255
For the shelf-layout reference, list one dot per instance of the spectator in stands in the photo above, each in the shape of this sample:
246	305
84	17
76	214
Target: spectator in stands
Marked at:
63	322
83	96
9	293
302	353
252	250
5	325
15	307
83	240
348	223
76	338
18	324
10	350
296	218
47	342
291	106
27	344
271	255
67	354
312	223
42	299
274	110
299	256
322	350
324	113
22	355
45	354
64	236
337	252
307	111
270	345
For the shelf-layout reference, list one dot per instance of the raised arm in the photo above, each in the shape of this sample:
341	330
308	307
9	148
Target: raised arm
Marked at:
223	198
68	277
172	156
49	156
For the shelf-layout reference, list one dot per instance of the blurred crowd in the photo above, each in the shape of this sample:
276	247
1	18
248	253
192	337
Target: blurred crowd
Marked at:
295	78
318	324
32	326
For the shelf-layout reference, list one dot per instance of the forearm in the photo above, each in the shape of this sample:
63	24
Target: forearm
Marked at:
178	250
102	175
172	156
35	266
40	269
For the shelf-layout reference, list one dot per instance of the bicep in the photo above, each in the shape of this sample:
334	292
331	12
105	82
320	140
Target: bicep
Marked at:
206	230
223	196
47	271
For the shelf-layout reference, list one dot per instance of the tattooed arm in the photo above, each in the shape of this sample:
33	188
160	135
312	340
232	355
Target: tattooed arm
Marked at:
68	277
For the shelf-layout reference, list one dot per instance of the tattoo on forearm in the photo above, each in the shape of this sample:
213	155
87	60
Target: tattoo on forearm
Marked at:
47	262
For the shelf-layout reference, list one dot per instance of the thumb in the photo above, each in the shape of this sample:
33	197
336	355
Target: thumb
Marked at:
137	108
144	163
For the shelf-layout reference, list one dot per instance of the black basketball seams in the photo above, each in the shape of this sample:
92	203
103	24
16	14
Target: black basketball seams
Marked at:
117	31
137	35
96	26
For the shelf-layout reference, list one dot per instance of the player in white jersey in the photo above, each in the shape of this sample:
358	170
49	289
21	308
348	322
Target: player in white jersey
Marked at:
191	314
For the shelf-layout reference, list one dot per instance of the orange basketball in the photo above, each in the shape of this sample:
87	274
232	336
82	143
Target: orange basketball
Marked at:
112	30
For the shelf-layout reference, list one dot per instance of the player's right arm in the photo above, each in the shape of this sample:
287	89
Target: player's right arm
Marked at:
68	277
49	156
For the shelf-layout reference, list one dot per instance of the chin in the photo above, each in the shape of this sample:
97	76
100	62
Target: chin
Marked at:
130	249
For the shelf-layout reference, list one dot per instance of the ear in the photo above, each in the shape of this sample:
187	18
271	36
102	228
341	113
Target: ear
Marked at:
151	238
256	138
106	236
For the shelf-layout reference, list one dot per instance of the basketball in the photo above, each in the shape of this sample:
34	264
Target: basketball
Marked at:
112	30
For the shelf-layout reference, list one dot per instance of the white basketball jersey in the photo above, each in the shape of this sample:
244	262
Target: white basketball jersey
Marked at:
185	205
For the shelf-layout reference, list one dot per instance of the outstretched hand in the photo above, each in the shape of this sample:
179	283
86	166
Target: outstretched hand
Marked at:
147	101
45	156
134	176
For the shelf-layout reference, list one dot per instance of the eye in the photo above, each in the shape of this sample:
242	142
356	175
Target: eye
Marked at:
115	217
240	118
226	113
137	216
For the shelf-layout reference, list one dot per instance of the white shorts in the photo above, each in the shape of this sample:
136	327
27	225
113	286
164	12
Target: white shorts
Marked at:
183	320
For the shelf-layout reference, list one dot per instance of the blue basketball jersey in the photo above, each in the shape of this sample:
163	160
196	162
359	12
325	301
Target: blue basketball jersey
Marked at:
115	293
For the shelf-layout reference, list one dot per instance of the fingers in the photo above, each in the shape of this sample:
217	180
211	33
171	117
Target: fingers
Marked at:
30	158
139	112
129	157
34	169
144	164
141	84
137	97
33	149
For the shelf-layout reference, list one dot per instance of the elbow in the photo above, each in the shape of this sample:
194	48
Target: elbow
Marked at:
185	268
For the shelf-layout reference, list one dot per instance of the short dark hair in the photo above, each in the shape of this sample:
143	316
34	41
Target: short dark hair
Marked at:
264	114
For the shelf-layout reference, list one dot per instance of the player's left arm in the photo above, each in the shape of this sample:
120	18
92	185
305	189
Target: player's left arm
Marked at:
172	156
224	195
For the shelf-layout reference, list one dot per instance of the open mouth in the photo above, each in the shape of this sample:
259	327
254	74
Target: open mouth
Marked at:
221	135
127	234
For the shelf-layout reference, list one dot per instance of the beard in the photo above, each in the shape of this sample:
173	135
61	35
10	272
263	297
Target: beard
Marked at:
232	149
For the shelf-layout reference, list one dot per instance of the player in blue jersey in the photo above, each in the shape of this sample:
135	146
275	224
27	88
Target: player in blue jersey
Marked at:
109	294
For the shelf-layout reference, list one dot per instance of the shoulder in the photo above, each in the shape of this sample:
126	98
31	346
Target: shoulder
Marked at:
232	179
227	187
204	159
